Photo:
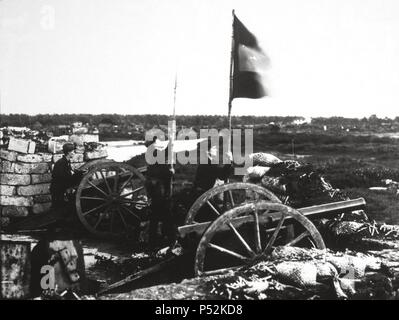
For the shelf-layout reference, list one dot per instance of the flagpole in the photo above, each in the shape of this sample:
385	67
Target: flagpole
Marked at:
231	79
172	136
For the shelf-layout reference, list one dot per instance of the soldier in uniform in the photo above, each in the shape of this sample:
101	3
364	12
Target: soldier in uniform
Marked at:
63	178
158	185
207	173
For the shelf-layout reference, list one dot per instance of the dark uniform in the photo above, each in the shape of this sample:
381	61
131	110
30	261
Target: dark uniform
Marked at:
207	174
158	186
62	179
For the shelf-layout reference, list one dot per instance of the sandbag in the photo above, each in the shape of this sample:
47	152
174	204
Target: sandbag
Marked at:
263	159
301	274
257	172
274	184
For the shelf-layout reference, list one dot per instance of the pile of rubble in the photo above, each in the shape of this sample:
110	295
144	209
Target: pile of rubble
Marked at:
25	173
296	184
297	273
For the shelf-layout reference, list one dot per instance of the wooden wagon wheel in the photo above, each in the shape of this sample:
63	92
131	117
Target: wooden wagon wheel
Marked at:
257	228
111	199
218	200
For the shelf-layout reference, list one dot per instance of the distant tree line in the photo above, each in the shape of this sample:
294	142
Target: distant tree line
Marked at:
147	120
150	120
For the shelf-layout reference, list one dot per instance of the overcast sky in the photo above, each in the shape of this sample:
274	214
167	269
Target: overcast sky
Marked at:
328	57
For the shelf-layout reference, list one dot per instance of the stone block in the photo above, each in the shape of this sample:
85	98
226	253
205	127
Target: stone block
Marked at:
7	190
8	155
80	149
34	189
41	207
7	166
16	201
47	157
55	144
81	139
12	179
26	168
42	198
13	211
77	157
40	178
57	157
97	154
30	158
21	145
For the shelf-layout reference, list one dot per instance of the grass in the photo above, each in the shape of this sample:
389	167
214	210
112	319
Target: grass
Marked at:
350	163
381	206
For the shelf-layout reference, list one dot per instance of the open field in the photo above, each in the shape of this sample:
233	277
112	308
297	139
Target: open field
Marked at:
350	163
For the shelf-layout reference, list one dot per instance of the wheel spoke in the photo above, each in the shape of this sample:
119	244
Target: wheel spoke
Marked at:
241	239
126	182
227	251
275	233
231	198
130	212
122	218
213	208
100	218
132	192
106	182
298	238
94	209
92	198
257	232
94	186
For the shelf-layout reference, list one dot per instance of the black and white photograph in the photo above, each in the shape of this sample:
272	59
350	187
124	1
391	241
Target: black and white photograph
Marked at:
218	151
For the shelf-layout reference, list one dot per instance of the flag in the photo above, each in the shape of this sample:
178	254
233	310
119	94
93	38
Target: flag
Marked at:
186	145
249	62
178	145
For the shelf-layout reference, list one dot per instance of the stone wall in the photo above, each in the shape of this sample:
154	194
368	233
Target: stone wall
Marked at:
25	181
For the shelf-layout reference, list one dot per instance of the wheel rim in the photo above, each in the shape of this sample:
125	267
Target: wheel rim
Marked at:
111	200
232	194
91	164
257	228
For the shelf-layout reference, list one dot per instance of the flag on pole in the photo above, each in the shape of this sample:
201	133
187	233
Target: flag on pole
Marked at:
249	62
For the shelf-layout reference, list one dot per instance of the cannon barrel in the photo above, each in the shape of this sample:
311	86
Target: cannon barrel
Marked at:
317	211
333	208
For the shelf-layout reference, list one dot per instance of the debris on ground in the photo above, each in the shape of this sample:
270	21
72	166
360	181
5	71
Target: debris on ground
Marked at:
296	184
292	273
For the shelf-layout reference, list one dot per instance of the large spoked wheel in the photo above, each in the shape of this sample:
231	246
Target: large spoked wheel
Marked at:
111	200
220	199
247	234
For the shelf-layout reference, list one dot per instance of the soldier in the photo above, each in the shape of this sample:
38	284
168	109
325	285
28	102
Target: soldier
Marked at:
158	185
207	173
63	177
